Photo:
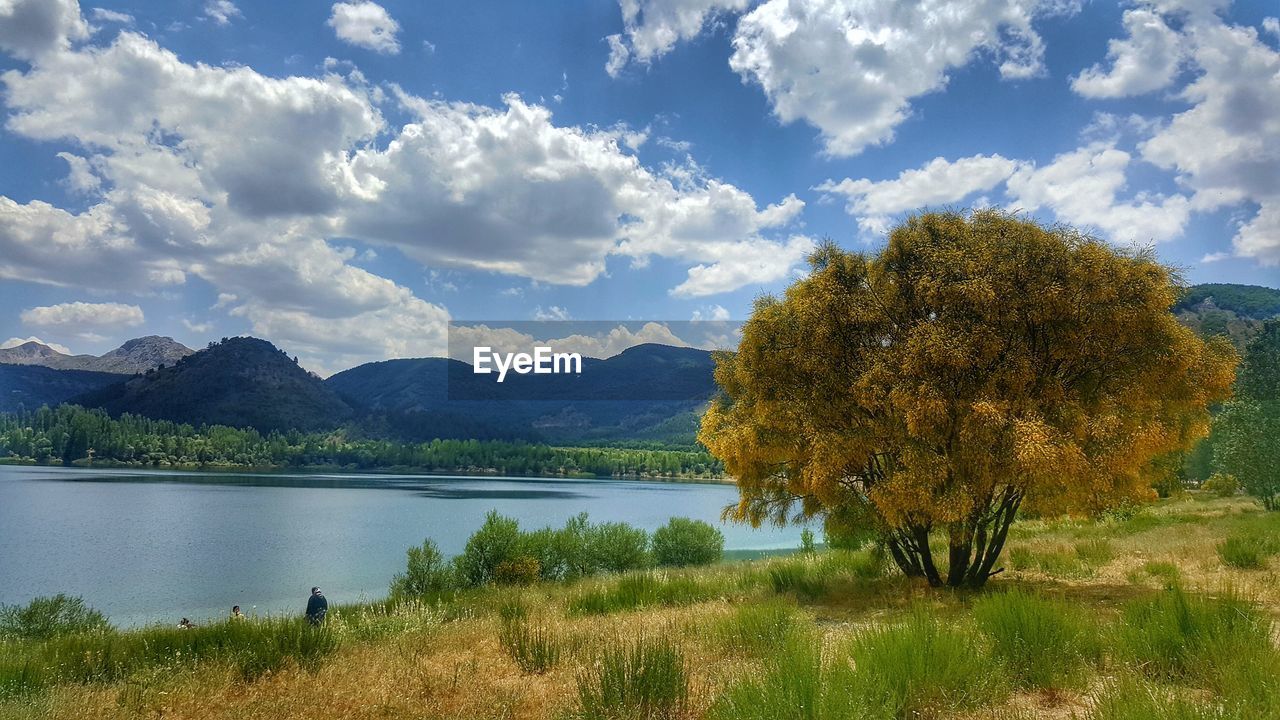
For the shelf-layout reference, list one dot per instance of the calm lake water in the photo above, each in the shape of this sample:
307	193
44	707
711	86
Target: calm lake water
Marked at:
146	546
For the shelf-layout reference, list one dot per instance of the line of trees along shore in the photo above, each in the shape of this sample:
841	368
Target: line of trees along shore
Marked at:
72	435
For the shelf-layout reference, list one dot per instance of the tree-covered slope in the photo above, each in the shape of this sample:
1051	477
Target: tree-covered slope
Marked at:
241	382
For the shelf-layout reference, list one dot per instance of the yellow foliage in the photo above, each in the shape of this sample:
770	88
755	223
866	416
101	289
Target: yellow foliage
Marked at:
977	357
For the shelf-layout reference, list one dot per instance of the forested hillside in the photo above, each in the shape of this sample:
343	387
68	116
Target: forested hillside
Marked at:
1236	311
74	435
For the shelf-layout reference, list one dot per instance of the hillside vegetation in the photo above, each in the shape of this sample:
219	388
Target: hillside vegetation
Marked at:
1236	311
1166	612
72	435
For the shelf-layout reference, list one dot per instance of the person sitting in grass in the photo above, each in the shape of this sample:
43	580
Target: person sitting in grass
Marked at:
185	624
317	606
235	613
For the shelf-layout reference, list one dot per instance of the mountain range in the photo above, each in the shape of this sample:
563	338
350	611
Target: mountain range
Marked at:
648	392
135	356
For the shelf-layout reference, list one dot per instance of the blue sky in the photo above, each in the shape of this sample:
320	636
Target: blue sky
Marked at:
342	179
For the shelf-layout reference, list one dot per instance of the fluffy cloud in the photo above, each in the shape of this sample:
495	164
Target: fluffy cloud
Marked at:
176	192
740	264
602	344
1226	146
14	342
221	12
104	15
1082	187
652	27
31	28
938	182
509	191
367	25
1145	61
850	69
80	176
83	316
712	313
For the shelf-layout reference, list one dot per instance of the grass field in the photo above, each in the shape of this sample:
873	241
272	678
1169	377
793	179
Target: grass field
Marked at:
1167	612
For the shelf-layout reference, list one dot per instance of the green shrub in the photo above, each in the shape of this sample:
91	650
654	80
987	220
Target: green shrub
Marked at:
618	547
519	570
49	617
1221	485
642	680
1040	642
923	667
497	541
807	544
572	548
533	647
426	573
1175	636
683	542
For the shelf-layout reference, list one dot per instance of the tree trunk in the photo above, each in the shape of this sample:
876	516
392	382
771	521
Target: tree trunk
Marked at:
974	546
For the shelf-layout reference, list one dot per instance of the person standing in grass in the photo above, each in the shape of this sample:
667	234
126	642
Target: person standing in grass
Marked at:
317	606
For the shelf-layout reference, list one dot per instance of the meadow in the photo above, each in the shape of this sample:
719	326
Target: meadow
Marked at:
1164	611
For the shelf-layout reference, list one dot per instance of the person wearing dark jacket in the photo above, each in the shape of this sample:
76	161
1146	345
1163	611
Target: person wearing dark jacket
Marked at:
317	606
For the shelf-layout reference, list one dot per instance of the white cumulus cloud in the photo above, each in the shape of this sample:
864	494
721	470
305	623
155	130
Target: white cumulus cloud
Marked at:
653	27
851	68
938	182
83	316
1083	188
367	25
221	12
1145	61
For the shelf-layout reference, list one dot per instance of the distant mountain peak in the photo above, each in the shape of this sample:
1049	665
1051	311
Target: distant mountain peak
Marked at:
240	381
134	356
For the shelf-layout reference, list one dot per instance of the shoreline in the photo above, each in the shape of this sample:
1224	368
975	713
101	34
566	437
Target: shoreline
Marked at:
399	470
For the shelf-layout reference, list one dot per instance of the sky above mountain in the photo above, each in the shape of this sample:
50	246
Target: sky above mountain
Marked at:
342	179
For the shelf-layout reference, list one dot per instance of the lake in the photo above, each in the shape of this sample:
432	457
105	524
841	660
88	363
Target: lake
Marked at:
155	546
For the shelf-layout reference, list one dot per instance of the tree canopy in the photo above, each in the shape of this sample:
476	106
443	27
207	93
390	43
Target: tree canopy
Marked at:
1247	431
978	364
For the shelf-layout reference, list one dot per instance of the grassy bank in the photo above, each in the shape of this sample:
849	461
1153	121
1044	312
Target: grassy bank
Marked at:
1167	612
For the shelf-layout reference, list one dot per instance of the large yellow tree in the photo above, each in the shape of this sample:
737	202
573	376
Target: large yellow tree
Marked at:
980	363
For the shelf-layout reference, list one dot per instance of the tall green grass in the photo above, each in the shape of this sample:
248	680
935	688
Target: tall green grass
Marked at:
810	576
1130	699
1178	637
795	685
758	628
534	647
253	647
1248	550
641	590
923	666
1040	642
647	679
